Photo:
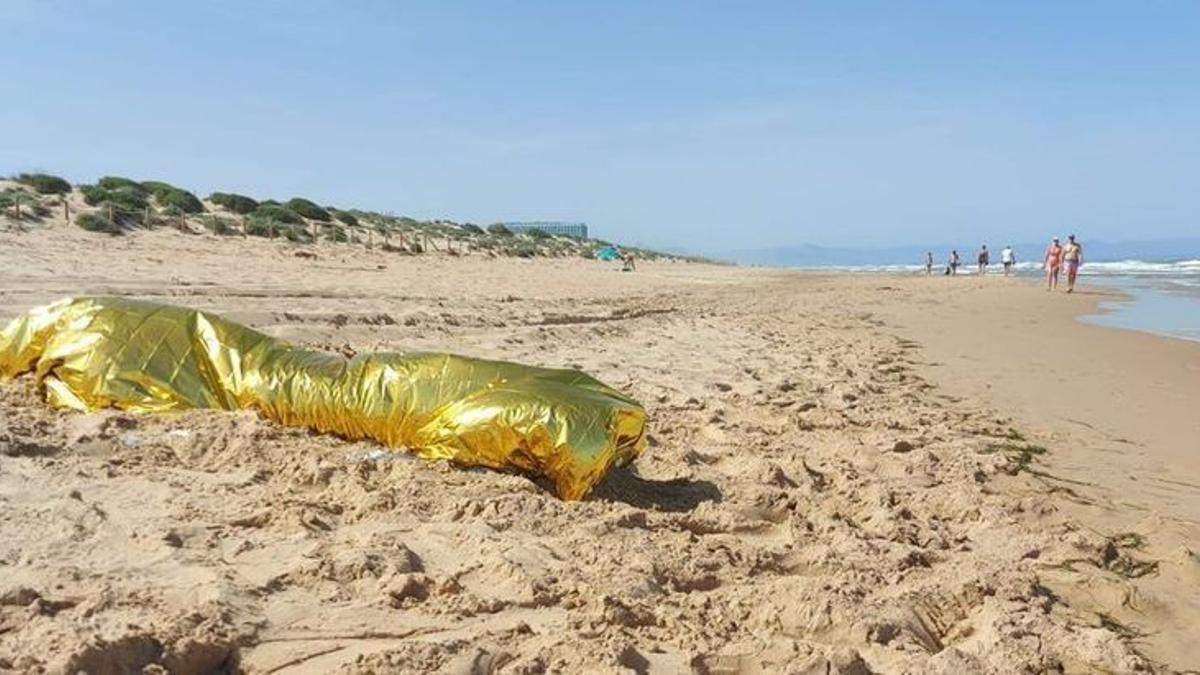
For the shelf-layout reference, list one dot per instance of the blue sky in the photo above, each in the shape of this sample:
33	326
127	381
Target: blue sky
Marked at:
702	125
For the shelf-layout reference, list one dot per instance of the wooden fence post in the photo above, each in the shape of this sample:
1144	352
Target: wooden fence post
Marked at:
17	205
110	212
66	211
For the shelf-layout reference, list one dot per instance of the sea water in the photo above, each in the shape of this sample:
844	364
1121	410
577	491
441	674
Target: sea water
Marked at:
1161	297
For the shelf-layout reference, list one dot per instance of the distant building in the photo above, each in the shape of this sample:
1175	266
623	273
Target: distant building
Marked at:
551	227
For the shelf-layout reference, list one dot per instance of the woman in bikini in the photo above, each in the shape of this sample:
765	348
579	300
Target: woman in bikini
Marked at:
1052	263
1072	258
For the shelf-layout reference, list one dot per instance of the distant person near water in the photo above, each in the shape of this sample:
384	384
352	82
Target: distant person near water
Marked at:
952	263
1008	259
1072	258
1052	263
984	259
928	263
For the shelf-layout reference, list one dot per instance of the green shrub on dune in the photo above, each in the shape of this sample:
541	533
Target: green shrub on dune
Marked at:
336	233
220	225
473	229
234	202
538	234
523	251
259	226
180	199
346	217
92	194
44	183
263	227
12	196
308	209
297	234
499	228
14	200
277	213
121	183
126	200
94	222
154	187
168	195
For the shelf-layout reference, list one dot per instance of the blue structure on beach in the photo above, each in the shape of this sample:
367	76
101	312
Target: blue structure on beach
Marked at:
608	253
551	227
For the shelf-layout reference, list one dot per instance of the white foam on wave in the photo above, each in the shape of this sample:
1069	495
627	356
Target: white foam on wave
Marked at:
1183	268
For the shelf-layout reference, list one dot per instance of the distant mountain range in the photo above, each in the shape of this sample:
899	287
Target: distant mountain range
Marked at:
809	255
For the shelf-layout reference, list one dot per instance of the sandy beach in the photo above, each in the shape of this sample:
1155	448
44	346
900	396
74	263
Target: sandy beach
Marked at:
848	474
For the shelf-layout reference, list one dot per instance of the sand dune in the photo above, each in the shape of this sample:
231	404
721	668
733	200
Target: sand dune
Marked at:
812	499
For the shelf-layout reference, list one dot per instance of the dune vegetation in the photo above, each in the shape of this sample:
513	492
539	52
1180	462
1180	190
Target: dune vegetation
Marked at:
118	205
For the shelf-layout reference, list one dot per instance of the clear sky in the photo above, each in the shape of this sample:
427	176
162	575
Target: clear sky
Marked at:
702	125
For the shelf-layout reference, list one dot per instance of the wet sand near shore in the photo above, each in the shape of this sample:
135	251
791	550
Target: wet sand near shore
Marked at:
1116	410
817	496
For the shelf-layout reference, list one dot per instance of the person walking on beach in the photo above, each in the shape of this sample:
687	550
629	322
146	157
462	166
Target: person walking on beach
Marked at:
1072	257
984	258
1008	259
1051	263
928	263
953	263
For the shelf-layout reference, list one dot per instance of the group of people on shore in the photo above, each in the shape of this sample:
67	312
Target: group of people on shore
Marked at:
1056	258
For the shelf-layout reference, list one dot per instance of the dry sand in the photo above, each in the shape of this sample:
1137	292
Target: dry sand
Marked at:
818	495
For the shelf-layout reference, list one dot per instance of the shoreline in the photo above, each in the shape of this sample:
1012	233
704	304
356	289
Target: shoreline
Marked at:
1114	408
1124	288
1138	299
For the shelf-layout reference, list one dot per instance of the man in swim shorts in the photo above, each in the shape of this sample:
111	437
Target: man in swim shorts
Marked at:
984	259
1052	262
1072	258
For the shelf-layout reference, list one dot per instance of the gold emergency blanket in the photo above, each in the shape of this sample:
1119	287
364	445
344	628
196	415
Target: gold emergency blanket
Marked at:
91	353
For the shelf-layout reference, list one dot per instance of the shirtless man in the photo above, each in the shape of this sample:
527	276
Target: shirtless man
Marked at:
984	259
1052	262
1072	259
928	263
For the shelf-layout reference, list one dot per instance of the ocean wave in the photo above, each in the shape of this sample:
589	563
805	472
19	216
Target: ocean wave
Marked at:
1142	268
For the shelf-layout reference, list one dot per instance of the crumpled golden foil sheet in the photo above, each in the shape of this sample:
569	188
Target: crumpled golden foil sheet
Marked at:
96	352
